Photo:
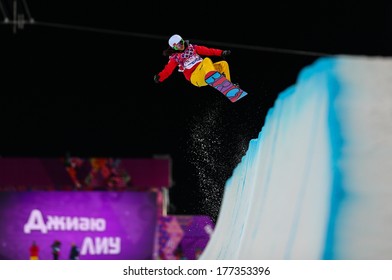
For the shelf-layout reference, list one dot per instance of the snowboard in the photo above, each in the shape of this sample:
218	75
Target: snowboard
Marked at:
219	82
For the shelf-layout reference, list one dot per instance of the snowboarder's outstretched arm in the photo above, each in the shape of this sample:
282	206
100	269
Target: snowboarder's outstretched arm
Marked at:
166	72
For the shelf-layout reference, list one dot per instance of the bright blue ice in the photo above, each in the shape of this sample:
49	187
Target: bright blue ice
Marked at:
317	182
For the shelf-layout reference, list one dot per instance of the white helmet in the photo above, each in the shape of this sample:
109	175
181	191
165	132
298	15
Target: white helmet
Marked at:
175	39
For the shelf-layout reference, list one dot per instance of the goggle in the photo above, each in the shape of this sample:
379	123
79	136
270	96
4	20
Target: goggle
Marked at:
176	45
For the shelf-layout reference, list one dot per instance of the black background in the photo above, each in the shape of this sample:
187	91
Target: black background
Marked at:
80	79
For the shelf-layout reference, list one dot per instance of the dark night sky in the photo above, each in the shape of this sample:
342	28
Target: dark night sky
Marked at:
80	80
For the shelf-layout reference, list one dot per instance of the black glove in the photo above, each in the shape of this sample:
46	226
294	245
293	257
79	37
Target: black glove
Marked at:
156	79
226	53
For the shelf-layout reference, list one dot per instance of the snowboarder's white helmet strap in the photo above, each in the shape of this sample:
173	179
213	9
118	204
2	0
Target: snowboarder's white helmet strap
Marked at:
175	39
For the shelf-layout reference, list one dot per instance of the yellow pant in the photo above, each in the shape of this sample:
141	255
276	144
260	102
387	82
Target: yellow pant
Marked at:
198	76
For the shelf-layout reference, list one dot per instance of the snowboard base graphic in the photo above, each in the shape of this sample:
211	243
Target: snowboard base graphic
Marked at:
219	82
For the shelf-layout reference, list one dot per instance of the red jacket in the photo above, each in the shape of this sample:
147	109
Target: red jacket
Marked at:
34	250
187	60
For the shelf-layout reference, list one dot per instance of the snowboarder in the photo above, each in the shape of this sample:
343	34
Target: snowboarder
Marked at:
193	61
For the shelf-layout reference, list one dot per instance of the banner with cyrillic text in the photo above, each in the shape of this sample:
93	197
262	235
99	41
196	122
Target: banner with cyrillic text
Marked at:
103	225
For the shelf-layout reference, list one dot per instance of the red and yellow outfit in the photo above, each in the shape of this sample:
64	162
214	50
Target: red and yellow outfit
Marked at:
193	66
34	251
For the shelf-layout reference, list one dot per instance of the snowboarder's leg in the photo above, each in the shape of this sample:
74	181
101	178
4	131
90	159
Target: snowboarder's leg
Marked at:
223	68
198	75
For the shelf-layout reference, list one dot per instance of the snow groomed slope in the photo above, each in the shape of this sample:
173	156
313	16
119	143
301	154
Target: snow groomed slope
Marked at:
317	182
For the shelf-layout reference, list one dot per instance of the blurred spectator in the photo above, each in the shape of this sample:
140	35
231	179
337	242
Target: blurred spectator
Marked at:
179	253
56	247
34	251
74	253
71	165
106	173
198	252
98	173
